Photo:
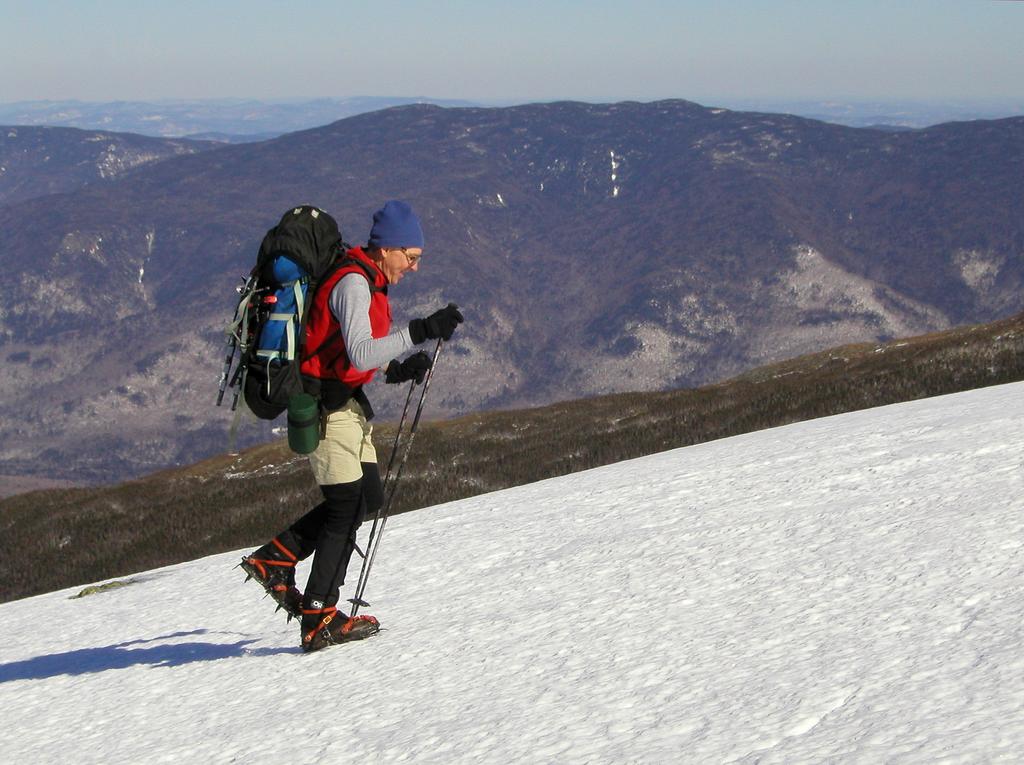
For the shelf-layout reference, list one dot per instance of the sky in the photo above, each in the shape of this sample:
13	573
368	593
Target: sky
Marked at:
844	590
529	50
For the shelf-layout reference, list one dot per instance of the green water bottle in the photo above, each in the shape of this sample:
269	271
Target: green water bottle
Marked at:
303	423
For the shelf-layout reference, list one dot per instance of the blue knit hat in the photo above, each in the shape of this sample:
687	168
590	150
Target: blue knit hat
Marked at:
396	225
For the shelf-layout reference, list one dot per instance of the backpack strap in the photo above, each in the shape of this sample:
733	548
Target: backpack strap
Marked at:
371	279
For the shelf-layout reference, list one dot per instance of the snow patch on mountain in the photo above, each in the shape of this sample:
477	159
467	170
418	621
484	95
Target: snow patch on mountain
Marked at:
830	303
978	269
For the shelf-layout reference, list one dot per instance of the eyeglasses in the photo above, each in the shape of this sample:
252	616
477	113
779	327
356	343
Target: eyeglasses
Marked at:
413	259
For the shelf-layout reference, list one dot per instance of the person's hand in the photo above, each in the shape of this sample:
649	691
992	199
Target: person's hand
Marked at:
440	324
413	368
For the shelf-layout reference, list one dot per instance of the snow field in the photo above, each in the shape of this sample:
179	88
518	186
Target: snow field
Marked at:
842	590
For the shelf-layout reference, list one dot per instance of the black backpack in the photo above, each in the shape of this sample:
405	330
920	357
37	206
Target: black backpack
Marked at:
268	329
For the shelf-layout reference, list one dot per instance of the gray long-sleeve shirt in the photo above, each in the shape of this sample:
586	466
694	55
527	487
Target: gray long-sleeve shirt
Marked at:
350	304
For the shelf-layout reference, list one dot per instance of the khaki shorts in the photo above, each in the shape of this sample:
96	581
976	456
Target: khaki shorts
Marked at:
337	458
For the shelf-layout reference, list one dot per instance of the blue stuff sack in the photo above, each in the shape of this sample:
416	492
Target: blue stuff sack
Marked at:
285	308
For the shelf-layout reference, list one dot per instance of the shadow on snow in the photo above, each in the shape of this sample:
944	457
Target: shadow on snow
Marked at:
122	655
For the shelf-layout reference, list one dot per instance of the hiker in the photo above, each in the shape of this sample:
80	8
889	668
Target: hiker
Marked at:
348	337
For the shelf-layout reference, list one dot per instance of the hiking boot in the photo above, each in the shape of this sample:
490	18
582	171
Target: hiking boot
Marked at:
273	566
322	627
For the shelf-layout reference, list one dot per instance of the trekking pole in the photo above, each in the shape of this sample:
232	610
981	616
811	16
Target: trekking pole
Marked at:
385	509
394	446
387	482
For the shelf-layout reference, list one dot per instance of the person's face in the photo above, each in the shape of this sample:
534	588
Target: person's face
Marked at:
396	262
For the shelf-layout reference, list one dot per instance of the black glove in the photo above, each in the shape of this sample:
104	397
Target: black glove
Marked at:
440	324
413	368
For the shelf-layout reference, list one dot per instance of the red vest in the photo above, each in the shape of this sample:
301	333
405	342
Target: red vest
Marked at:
324	355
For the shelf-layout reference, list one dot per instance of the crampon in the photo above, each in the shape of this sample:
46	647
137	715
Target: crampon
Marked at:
277	579
334	627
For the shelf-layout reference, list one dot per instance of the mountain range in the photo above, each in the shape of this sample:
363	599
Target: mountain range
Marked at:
594	249
37	161
239	120
231	120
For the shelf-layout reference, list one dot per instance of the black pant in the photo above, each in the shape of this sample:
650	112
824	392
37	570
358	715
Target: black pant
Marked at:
328	533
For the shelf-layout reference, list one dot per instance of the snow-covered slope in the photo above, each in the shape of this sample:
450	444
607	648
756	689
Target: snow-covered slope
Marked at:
843	590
